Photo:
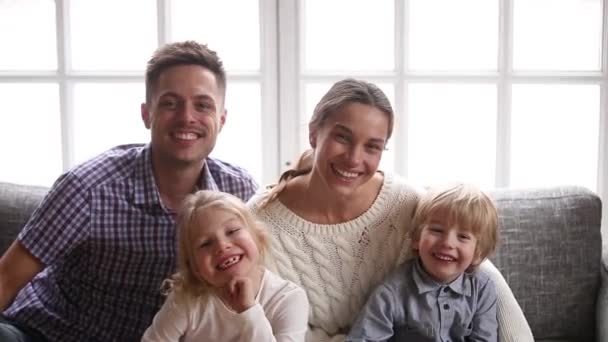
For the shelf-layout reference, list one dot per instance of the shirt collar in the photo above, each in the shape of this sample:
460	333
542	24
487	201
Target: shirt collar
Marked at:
425	283
206	180
145	189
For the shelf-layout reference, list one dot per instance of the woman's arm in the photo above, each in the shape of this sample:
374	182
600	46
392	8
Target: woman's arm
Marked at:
512	325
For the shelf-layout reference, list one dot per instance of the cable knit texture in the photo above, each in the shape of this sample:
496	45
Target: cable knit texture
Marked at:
339	264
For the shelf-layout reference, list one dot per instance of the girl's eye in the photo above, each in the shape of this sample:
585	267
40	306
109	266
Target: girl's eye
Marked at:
464	237
233	230
204	244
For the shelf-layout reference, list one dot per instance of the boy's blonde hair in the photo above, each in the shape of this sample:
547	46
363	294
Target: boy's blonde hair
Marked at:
462	204
186	280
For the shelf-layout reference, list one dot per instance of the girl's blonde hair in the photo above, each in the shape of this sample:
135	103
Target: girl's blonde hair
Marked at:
342	93
186	280
464	205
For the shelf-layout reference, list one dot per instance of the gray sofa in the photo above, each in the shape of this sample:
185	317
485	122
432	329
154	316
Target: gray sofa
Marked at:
550	254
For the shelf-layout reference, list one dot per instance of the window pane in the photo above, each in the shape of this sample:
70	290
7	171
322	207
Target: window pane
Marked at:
313	94
27	35
557	34
231	28
348	34
31	134
106	115
452	133
240	141
554	135
453	35
112	34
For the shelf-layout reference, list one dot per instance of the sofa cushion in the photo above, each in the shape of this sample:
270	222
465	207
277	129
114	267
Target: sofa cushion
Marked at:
550	254
17	202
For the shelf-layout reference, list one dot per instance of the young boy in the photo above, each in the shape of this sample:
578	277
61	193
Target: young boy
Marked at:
439	295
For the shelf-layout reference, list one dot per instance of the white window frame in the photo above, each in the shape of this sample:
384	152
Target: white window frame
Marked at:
292	77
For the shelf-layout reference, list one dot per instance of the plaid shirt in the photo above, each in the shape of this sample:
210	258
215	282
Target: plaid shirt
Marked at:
108	243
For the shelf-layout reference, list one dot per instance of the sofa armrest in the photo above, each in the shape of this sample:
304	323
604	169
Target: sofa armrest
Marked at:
602	302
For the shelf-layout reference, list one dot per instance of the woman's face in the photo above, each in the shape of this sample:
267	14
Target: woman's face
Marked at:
348	146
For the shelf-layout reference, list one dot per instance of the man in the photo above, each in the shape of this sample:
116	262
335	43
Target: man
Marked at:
89	264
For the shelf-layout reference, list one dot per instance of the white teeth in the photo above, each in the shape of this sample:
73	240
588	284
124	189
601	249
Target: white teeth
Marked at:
229	262
444	257
346	173
185	136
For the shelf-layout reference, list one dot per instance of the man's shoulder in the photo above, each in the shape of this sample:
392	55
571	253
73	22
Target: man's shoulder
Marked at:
109	166
219	167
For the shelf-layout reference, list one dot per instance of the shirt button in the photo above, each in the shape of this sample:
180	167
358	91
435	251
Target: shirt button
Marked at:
446	289
445	306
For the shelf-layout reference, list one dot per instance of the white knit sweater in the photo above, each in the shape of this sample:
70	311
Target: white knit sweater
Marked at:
338	265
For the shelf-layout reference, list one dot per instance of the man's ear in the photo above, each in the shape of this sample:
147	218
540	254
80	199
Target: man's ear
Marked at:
145	115
223	116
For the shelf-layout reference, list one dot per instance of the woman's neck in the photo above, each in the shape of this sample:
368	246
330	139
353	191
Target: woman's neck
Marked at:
311	199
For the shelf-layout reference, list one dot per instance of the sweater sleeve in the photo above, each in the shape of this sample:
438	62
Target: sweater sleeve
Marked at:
169	324
512	325
287	322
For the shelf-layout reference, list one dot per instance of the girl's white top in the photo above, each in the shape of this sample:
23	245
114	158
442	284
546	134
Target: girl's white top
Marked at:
280	314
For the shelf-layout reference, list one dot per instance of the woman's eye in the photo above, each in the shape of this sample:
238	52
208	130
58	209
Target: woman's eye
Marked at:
374	148
342	137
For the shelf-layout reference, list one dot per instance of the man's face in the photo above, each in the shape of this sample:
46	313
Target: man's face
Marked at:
185	115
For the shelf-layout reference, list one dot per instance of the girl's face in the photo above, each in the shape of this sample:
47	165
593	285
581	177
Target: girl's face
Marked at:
349	145
222	246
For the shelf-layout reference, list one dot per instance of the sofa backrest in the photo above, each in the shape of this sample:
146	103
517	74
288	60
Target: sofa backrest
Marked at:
17	202
550	254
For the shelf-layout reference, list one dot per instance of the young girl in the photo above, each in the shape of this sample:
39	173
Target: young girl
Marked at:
220	291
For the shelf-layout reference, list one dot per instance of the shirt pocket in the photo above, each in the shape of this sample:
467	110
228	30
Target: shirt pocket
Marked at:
413	330
462	329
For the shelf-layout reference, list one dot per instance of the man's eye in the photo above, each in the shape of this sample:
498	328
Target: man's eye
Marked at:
168	104
203	106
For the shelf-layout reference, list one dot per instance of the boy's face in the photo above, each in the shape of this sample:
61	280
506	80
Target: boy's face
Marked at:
446	250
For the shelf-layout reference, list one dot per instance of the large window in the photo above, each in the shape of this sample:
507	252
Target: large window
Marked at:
497	92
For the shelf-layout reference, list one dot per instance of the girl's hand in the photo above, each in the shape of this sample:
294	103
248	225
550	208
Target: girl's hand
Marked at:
240	294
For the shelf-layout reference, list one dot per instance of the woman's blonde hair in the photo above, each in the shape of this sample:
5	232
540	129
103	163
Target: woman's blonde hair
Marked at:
462	204
342	93
186	280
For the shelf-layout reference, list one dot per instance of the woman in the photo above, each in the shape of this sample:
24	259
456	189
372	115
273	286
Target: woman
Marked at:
338	224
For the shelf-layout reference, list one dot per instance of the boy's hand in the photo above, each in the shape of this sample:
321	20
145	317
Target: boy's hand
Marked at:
240	294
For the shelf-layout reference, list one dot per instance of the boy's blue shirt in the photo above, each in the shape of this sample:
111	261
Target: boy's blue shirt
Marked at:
410	306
